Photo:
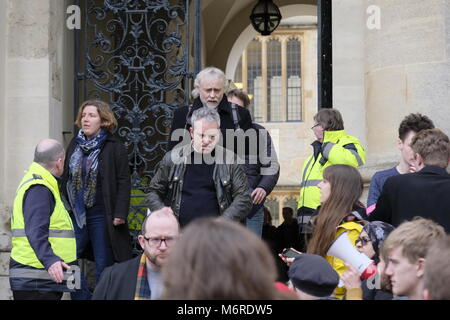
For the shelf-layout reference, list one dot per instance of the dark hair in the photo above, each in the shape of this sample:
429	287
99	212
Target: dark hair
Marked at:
330	119
433	145
414	122
241	95
109	121
267	216
219	260
346	187
287	212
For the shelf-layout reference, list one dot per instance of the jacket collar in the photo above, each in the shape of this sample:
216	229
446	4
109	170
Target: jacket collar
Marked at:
435	170
44	173
333	136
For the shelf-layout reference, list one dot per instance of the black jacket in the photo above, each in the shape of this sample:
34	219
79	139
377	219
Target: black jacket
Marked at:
116	189
229	178
118	282
181	119
263	172
425	193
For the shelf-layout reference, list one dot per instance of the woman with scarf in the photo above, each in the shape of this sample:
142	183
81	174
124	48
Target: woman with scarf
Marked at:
370	242
96	182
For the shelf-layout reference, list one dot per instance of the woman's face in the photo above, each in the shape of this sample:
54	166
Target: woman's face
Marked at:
364	245
325	190
90	121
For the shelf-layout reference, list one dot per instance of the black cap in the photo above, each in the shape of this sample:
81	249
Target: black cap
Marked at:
313	275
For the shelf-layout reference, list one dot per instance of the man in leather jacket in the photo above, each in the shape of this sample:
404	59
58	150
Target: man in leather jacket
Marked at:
201	178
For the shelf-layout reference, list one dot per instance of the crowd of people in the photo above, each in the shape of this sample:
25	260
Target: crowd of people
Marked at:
208	235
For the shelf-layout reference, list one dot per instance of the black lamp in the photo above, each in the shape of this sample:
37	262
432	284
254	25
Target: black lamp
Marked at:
265	17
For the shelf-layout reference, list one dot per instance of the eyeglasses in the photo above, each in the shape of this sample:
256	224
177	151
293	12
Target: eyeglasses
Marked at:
317	124
156	242
363	240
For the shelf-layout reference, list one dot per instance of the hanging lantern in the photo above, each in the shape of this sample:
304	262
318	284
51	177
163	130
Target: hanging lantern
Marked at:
265	17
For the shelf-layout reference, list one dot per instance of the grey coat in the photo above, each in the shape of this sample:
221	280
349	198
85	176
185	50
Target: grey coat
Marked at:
230	181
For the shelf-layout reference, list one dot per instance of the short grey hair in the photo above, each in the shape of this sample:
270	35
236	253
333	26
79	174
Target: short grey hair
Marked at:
208	114
211	72
48	151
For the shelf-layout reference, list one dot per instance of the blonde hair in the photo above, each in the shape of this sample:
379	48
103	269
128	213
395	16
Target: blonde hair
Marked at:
414	238
107	117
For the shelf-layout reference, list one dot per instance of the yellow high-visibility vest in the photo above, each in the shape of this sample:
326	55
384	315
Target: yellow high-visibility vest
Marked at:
337	148
61	232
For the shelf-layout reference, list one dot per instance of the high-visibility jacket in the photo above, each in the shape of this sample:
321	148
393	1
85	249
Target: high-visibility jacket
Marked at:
61	232
353	230
337	148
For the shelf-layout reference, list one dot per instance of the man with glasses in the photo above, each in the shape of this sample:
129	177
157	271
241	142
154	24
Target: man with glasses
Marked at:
140	278
333	146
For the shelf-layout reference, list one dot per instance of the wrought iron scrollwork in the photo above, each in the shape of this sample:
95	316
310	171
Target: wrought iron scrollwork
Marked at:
133	54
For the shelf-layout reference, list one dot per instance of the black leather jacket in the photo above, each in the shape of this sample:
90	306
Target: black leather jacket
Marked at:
230	181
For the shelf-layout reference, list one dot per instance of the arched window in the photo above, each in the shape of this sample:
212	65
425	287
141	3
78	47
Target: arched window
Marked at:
294	92
270	71
254	78
274	80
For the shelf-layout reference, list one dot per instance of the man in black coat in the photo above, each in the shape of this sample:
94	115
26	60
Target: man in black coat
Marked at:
209	90
140	277
261	166
425	193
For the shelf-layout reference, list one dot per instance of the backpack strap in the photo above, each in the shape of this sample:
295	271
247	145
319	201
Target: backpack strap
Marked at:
235	114
188	116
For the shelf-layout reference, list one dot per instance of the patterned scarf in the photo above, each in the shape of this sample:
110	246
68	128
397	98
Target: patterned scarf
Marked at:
81	189
377	232
142	289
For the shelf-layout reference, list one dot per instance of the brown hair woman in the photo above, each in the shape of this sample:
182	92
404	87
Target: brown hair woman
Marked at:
96	182
340	190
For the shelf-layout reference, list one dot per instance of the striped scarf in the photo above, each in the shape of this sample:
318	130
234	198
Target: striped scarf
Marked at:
142	289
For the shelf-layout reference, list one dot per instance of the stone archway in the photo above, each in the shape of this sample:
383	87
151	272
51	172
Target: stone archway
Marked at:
249	33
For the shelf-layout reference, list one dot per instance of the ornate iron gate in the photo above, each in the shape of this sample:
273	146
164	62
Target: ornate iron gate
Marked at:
134	54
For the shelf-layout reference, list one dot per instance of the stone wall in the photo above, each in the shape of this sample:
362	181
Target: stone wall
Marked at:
31	59
381	75
407	69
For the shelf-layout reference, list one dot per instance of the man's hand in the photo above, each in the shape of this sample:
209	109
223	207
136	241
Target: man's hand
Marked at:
350	277
56	271
258	195
118	221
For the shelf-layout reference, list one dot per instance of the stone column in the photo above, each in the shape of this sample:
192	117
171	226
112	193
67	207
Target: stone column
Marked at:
31	56
407	69
348	25
244	70
5	240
